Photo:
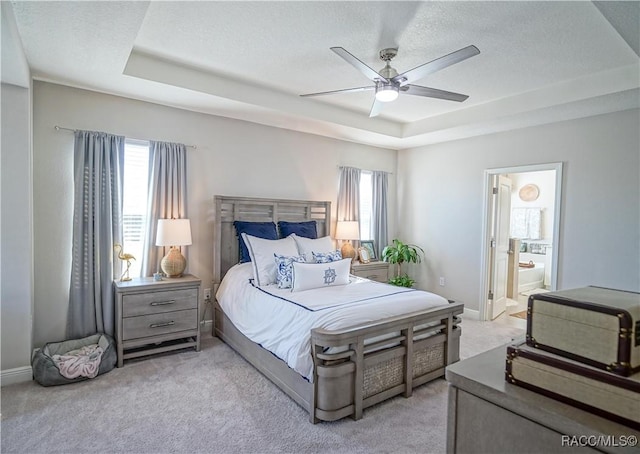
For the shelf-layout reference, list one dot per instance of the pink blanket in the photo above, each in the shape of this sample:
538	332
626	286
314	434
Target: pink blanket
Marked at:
84	362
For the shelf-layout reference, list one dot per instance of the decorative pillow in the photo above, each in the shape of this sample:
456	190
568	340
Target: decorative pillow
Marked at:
266	230
305	229
316	275
326	257
284	269
262	251
307	246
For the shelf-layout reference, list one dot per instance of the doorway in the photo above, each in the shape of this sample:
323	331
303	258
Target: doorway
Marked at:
520	230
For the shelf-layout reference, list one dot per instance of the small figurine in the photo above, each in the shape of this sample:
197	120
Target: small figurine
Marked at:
124	256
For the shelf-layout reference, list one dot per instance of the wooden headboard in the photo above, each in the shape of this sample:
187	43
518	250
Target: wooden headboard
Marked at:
229	209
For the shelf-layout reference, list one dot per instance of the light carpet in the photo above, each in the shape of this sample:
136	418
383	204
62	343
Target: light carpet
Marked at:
215	402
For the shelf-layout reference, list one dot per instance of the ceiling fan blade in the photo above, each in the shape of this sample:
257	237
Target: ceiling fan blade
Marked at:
346	90
353	61
436	65
433	93
376	108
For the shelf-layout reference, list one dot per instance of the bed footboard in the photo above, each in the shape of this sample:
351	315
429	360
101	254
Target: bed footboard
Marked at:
360	366
357	368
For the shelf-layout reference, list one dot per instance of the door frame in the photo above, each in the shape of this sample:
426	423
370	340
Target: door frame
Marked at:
487	208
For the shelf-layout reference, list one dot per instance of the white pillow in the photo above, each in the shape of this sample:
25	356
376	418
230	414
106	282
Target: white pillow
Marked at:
316	275
261	252
307	246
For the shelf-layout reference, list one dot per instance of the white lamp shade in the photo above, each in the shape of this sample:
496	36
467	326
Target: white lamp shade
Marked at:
173	232
348	230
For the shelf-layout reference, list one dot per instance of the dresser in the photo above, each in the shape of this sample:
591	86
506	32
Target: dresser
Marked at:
156	316
486	414
376	271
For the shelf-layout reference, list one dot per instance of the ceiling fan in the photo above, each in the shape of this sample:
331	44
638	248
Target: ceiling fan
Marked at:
388	83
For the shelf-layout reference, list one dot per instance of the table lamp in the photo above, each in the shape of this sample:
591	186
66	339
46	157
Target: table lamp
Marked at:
173	233
347	231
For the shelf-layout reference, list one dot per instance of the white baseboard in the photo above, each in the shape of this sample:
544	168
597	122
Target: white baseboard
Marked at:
17	375
471	314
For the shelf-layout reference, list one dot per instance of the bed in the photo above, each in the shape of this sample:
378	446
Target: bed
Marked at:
352	367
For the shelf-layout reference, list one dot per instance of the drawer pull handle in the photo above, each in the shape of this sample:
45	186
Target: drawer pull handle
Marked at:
160	325
163	303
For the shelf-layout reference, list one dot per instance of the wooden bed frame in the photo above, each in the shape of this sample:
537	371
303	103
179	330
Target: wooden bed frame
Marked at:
364	372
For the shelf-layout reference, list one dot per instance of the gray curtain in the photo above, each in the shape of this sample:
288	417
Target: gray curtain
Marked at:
379	185
97	226
348	206
167	196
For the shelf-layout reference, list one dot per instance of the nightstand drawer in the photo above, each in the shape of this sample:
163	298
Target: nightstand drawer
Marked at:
159	302
376	271
375	275
156	324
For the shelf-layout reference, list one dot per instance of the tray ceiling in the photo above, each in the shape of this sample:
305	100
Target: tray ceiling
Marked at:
539	61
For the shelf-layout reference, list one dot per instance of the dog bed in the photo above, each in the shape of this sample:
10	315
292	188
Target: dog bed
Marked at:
70	361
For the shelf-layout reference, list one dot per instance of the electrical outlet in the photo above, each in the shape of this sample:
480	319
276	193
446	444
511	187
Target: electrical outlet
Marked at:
442	281
207	294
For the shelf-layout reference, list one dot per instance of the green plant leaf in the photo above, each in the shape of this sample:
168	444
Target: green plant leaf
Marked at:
398	253
402	281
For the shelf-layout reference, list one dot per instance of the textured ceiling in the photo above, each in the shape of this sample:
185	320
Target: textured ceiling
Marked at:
251	60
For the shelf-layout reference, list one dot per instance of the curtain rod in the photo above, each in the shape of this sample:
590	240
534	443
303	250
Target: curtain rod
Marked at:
58	128
367	170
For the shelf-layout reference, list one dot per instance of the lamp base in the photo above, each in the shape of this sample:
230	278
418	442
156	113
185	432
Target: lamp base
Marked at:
348	252
174	263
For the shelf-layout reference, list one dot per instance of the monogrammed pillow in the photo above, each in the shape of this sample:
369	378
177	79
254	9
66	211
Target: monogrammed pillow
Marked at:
317	275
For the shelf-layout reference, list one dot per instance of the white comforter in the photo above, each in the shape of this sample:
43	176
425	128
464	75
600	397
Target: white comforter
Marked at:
281	320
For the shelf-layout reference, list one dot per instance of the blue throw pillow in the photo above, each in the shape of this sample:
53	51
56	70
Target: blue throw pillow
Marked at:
327	257
266	230
284	265
305	229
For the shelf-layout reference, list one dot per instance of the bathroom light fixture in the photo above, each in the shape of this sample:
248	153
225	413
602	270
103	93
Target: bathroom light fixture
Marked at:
386	92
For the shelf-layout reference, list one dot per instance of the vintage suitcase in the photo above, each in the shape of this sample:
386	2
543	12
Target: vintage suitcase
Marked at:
594	390
593	325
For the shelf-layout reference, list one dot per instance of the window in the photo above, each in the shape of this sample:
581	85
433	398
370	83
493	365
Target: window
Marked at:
134	204
366	195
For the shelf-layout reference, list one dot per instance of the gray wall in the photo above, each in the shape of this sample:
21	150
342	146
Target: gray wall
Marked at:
440	201
16	240
439	194
233	158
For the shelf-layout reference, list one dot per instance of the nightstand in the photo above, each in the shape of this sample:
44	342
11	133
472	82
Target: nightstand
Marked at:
156	316
376	271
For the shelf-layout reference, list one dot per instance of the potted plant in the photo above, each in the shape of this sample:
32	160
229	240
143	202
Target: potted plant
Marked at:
398	253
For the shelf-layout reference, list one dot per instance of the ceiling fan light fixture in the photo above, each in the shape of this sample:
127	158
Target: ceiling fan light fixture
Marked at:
386	93
388	82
